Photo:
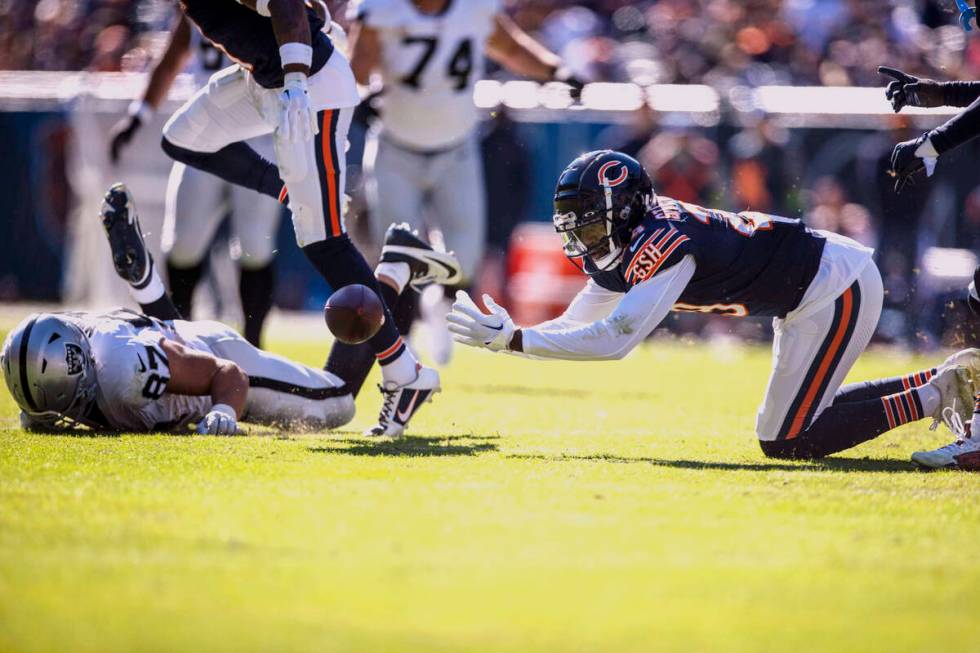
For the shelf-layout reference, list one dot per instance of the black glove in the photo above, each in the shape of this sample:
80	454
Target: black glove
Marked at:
972	298
575	84
121	134
912	91
905	162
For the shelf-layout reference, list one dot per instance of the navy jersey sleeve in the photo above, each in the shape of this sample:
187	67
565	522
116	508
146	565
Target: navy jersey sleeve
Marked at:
654	250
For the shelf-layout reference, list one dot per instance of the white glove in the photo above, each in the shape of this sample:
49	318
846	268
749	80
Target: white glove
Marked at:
297	119
471	326
220	420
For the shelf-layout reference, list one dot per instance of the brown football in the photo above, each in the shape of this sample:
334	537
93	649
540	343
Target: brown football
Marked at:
354	314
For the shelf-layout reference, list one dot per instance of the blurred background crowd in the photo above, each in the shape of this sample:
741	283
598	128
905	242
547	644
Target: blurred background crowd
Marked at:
833	178
714	42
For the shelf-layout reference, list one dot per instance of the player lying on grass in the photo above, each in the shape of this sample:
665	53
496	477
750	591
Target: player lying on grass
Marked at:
126	371
647	255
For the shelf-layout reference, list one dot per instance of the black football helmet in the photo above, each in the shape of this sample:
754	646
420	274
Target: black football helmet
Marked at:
600	198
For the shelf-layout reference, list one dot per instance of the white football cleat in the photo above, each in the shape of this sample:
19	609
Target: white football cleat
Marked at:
962	453
434	307
402	402
968	358
955	386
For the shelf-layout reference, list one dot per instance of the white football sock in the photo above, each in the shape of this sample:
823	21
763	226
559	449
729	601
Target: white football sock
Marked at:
152	291
401	371
399	273
930	398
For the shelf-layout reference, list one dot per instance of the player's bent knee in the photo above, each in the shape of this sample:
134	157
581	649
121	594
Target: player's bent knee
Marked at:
795	449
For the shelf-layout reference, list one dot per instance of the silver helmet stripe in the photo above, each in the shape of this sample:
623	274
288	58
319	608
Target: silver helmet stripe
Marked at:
25	386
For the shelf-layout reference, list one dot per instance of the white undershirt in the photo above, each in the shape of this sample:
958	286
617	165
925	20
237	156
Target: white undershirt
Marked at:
602	324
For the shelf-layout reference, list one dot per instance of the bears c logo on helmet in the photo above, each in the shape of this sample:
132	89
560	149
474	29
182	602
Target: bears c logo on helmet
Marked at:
604	170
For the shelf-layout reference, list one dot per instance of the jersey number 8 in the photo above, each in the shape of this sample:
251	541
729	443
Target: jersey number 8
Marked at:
460	65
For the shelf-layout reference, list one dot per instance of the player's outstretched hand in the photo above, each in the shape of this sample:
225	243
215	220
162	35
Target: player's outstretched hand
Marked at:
911	91
220	420
121	134
471	326
909	157
297	119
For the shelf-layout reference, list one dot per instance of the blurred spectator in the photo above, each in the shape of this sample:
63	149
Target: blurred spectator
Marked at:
683	165
831	210
719	42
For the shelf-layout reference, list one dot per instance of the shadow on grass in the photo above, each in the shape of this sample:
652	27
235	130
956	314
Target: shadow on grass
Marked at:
823	465
410	445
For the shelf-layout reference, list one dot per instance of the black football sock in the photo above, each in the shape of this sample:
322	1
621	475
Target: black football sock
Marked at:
256	288
183	281
237	163
340	264
877	389
161	309
848	424
353	363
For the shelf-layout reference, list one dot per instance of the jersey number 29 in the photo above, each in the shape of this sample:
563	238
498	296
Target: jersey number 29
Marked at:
460	65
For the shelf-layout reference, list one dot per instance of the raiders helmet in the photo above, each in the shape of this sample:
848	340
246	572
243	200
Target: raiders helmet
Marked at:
47	364
601	196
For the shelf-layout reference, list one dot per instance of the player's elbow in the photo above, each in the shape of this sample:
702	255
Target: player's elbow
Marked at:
231	379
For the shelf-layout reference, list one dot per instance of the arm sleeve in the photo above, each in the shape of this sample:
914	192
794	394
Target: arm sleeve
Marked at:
957	130
960	94
640	310
591	304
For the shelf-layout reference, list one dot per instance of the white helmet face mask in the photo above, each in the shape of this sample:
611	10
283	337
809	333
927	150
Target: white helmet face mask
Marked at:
48	367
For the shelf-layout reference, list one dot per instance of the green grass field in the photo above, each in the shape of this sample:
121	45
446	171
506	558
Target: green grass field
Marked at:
537	507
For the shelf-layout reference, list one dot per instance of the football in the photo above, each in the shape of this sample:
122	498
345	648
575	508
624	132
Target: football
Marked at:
354	314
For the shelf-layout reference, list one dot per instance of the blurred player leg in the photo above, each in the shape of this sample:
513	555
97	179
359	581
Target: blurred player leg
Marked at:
397	189
255	219
195	205
459	211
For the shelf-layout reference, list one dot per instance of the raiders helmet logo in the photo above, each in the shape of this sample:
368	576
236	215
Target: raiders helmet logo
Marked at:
608	181
74	359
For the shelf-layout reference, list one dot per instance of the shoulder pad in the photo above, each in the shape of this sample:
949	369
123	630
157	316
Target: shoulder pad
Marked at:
652	250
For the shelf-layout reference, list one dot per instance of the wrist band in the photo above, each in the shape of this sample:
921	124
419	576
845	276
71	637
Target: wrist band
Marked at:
140	110
262	8
296	53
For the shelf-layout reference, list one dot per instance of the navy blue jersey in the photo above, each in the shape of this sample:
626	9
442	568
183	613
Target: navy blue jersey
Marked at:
747	263
247	37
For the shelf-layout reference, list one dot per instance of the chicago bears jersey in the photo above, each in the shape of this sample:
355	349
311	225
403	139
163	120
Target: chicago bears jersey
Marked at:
430	64
247	37
747	263
132	372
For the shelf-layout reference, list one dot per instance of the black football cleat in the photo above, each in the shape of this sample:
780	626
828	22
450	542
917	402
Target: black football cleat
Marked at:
428	266
122	227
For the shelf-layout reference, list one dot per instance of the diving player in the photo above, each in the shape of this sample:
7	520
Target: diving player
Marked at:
647	255
196	201
127	371
430	54
290	81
